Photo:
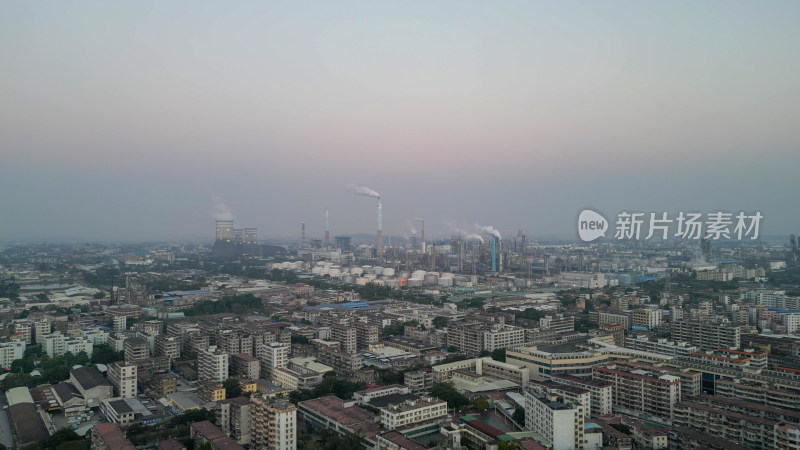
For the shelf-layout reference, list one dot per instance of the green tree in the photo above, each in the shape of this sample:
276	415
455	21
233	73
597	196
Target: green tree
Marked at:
34	351
503	445
22	365
519	416
104	354
440	321
232	388
446	391
60	437
499	355
300	340
481	404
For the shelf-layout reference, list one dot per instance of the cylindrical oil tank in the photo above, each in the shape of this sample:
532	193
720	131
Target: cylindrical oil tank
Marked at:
415	282
431	279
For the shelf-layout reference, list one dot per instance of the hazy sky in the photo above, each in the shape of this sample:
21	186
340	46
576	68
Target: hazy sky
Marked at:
126	120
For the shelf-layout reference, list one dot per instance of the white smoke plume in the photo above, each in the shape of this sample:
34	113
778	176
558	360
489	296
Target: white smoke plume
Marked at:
411	228
221	210
488	230
364	191
464	234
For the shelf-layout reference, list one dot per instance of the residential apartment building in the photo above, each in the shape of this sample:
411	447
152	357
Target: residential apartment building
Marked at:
609	318
661	346
568	394
502	336
343	363
560	423
346	336
234	418
601	394
646	318
706	335
136	349
367	335
638	392
411	415
169	346
245	365
736	426
41	328
122	376
56	344
210	390
473	337
274	424
10	351
275	356
558	323
212	364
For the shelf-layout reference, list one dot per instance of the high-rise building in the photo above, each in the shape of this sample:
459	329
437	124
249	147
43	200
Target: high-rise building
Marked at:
136	349
123	376
558	323
559	422
346	336
706	335
638	391
120	323
41	328
273	424
245	365
11	351
647	318
234	418
275	355
168	346
212	364
367	334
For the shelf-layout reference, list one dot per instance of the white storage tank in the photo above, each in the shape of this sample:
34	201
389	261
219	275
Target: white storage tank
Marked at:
378	270
388	272
415	282
391	283
316	270
356	270
446	281
361	281
334	272
418	274
350	279
431	279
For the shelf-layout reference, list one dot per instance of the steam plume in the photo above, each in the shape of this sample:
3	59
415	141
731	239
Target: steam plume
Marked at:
364	191
221	210
488	229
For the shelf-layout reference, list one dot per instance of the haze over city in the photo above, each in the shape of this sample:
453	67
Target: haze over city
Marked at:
137	121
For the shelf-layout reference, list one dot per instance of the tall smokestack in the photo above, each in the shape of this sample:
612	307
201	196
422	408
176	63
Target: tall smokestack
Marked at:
379	243
327	229
422	235
494	254
303	235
